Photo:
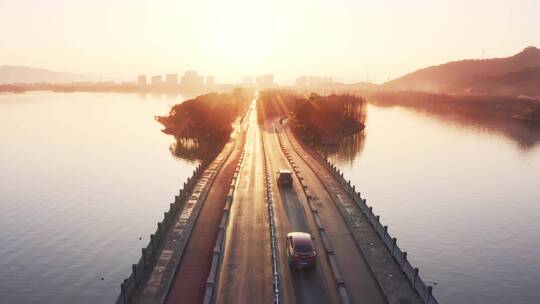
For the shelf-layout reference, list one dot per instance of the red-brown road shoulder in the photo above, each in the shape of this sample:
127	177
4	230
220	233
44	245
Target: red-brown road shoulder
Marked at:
189	282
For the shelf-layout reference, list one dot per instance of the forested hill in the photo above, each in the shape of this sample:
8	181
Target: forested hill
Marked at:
513	75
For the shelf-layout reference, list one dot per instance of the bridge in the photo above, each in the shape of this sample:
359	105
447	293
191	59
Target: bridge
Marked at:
223	238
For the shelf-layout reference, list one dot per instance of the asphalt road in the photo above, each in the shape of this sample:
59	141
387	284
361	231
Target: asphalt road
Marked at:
245	273
246	269
292	214
360	283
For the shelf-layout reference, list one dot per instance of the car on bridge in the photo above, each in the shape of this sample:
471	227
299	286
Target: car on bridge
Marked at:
284	178
300	250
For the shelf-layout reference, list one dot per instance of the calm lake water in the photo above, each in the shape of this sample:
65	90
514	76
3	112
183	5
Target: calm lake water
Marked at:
461	195
82	177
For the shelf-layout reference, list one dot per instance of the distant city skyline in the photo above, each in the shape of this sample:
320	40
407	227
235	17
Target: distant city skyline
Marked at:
348	40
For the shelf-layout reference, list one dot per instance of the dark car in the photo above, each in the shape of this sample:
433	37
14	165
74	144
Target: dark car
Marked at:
284	178
300	250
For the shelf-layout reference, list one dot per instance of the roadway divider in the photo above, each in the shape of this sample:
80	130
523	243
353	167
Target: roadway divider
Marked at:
272	223
217	254
330	255
141	271
425	291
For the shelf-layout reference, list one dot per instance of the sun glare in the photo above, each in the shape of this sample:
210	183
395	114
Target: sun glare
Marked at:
244	37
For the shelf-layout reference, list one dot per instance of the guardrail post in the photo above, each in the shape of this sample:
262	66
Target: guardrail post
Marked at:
153	241
403	260
134	269
123	294
429	293
416	271
159	231
143	258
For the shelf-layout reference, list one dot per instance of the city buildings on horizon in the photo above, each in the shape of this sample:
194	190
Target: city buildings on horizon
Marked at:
192	78
311	81
189	79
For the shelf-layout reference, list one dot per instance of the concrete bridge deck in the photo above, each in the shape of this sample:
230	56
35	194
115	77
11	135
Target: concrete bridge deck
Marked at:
354	265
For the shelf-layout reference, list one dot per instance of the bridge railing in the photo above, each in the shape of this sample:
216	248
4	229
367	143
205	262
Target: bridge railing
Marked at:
218	250
424	291
272	230
148	256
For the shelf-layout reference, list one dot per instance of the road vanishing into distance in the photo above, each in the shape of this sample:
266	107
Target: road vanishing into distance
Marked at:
246	268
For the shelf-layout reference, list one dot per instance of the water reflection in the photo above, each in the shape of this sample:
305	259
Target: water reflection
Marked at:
83	175
526	135
195	150
461	195
345	152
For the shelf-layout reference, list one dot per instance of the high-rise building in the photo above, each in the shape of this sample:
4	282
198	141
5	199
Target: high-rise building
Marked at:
247	80
265	80
210	80
171	79
192	78
141	80
302	81
156	80
313	81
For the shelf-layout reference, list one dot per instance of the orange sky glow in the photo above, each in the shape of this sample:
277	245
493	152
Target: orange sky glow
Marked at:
347	40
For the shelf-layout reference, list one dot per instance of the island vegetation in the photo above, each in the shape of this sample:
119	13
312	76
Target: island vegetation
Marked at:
202	125
208	116
317	118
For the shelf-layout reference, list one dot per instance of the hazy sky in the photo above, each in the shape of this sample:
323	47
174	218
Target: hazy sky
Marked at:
349	40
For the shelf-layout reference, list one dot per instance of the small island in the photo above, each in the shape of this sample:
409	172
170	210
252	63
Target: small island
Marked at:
317	118
202	125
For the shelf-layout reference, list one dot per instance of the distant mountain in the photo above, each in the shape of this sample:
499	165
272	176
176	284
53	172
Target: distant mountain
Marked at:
518	74
364	86
23	74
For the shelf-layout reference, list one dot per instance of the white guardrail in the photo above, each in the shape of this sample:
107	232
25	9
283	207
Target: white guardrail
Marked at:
424	291
271	221
217	257
340	283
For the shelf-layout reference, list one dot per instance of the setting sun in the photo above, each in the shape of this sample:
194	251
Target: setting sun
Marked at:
241	39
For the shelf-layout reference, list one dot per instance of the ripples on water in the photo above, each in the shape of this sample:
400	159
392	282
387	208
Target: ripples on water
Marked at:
462	195
83	177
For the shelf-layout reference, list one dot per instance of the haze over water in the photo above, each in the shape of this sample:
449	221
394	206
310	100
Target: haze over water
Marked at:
83	177
461	197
